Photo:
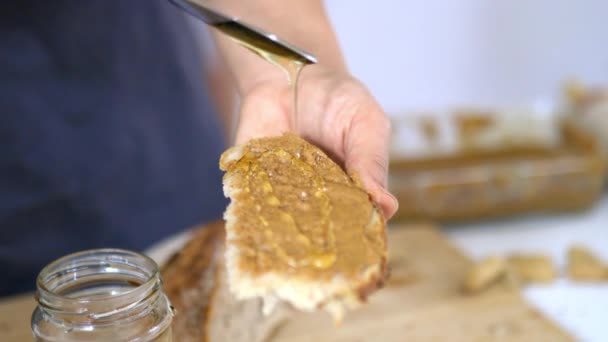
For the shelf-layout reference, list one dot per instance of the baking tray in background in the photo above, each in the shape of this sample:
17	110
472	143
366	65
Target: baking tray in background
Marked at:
473	184
587	107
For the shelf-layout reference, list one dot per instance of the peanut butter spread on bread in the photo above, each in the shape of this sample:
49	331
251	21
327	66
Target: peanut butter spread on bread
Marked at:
299	213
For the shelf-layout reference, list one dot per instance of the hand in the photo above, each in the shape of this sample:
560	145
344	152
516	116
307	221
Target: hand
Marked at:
335	112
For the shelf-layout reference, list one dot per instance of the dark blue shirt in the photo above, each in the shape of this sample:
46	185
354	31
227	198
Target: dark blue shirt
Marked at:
107	136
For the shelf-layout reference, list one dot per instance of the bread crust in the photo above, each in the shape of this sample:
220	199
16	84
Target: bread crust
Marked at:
189	280
195	281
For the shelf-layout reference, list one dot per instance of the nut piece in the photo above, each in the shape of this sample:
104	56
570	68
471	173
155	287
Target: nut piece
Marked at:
585	266
531	268
484	273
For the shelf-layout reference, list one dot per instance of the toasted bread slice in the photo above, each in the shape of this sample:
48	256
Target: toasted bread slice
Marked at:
298	228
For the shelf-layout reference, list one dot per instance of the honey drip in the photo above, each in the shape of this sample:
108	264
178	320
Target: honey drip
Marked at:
291	63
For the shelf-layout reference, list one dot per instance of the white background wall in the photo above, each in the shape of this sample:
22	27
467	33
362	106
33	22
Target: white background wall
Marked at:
437	53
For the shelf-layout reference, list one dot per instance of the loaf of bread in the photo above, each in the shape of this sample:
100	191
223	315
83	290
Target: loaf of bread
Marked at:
195	281
299	229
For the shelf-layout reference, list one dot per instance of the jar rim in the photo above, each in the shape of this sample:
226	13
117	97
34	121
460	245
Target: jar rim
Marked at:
67	264
95	292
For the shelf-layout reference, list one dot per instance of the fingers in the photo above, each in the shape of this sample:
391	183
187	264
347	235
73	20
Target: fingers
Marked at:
367	142
341	117
262	114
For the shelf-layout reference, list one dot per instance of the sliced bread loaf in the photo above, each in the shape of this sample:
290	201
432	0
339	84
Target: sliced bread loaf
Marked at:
195	281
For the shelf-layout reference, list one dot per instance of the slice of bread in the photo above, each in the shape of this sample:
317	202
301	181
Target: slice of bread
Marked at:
196	283
299	229
189	279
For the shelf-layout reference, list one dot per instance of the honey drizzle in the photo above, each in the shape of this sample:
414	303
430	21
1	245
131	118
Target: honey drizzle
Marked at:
288	61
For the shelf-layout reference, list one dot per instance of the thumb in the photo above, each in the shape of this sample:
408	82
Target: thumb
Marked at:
367	142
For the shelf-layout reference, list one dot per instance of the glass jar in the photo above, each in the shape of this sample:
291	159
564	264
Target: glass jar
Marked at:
102	295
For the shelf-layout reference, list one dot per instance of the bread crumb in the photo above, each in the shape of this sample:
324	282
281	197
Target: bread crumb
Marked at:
484	273
583	265
531	268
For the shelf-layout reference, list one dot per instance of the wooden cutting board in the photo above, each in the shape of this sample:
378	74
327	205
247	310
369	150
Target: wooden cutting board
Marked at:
422	302
15	314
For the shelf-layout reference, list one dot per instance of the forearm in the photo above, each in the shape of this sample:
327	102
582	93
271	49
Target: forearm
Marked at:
302	23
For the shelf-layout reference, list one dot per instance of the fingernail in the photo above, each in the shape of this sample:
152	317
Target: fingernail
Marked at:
395	203
394	199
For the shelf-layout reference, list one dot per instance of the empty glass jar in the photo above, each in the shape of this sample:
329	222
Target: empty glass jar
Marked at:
102	295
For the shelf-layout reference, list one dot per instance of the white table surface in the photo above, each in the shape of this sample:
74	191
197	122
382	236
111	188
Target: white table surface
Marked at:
580	308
